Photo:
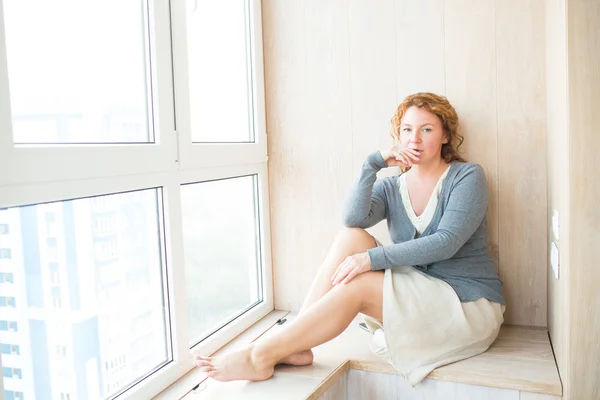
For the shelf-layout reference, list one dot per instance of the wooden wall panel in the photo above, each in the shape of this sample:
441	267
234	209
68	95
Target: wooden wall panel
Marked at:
471	88
308	128
283	40
420	47
338	391
558	175
372	84
363	385
522	193
584	271
335	71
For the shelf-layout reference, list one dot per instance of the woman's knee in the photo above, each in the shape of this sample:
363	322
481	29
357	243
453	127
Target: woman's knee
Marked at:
370	289
367	289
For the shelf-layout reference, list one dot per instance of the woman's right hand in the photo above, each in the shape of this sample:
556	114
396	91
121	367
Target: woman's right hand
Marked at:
400	157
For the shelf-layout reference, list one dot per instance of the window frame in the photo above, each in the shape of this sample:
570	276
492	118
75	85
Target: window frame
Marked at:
173	161
193	155
24	161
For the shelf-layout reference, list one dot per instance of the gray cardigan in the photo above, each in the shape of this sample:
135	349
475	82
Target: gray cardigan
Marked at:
453	247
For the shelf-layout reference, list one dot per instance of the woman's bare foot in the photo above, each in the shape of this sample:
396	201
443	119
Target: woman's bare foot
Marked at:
238	365
302	358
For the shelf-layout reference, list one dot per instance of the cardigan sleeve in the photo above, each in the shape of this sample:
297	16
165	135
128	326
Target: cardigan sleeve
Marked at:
366	204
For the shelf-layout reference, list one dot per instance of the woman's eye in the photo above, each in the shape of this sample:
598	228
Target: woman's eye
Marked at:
406	130
427	130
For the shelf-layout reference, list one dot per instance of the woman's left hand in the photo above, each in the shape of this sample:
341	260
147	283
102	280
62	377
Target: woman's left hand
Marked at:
351	267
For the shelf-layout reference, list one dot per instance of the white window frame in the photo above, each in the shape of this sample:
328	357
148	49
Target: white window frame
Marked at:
42	163
217	154
41	174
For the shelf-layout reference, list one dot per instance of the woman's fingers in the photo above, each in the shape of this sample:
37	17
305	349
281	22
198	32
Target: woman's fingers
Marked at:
350	276
341	272
402	158
337	272
411	153
341	275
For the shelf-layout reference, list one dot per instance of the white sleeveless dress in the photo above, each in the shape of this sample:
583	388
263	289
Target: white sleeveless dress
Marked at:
425	325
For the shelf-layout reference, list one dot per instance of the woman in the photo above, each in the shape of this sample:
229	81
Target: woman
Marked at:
431	298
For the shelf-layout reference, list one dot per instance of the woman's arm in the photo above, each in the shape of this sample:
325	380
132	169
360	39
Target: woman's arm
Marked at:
464	213
366	204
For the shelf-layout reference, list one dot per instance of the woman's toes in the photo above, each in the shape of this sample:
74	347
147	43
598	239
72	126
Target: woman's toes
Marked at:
203	363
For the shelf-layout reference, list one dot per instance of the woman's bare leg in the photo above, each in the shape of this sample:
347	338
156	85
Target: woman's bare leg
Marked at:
321	322
349	241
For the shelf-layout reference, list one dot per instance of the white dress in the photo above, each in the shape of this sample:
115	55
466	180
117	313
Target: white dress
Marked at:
425	325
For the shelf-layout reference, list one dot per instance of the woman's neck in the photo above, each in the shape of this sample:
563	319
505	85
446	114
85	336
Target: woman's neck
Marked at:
429	170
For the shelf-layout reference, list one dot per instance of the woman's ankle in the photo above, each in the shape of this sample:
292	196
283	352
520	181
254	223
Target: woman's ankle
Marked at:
262	356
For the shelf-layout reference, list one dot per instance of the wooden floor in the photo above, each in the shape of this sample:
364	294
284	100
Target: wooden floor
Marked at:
520	360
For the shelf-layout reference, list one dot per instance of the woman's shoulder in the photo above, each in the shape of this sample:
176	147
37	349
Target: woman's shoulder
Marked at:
462	169
470	174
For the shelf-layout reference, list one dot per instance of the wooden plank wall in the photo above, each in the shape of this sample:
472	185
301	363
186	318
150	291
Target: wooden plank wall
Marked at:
335	72
558	177
363	385
583	314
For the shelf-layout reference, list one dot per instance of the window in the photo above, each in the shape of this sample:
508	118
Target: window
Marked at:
6	277
106	250
219	91
3	229
51	229
52	249
56	303
61	351
104	225
7	301
11	395
10	349
12	373
220	216
126	183
119	112
8	326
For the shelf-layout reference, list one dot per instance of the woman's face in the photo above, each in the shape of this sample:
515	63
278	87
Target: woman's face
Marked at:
422	130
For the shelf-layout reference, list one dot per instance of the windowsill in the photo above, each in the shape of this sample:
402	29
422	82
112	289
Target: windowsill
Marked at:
184	385
520	359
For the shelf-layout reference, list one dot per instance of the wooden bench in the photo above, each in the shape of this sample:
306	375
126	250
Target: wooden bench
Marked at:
519	366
